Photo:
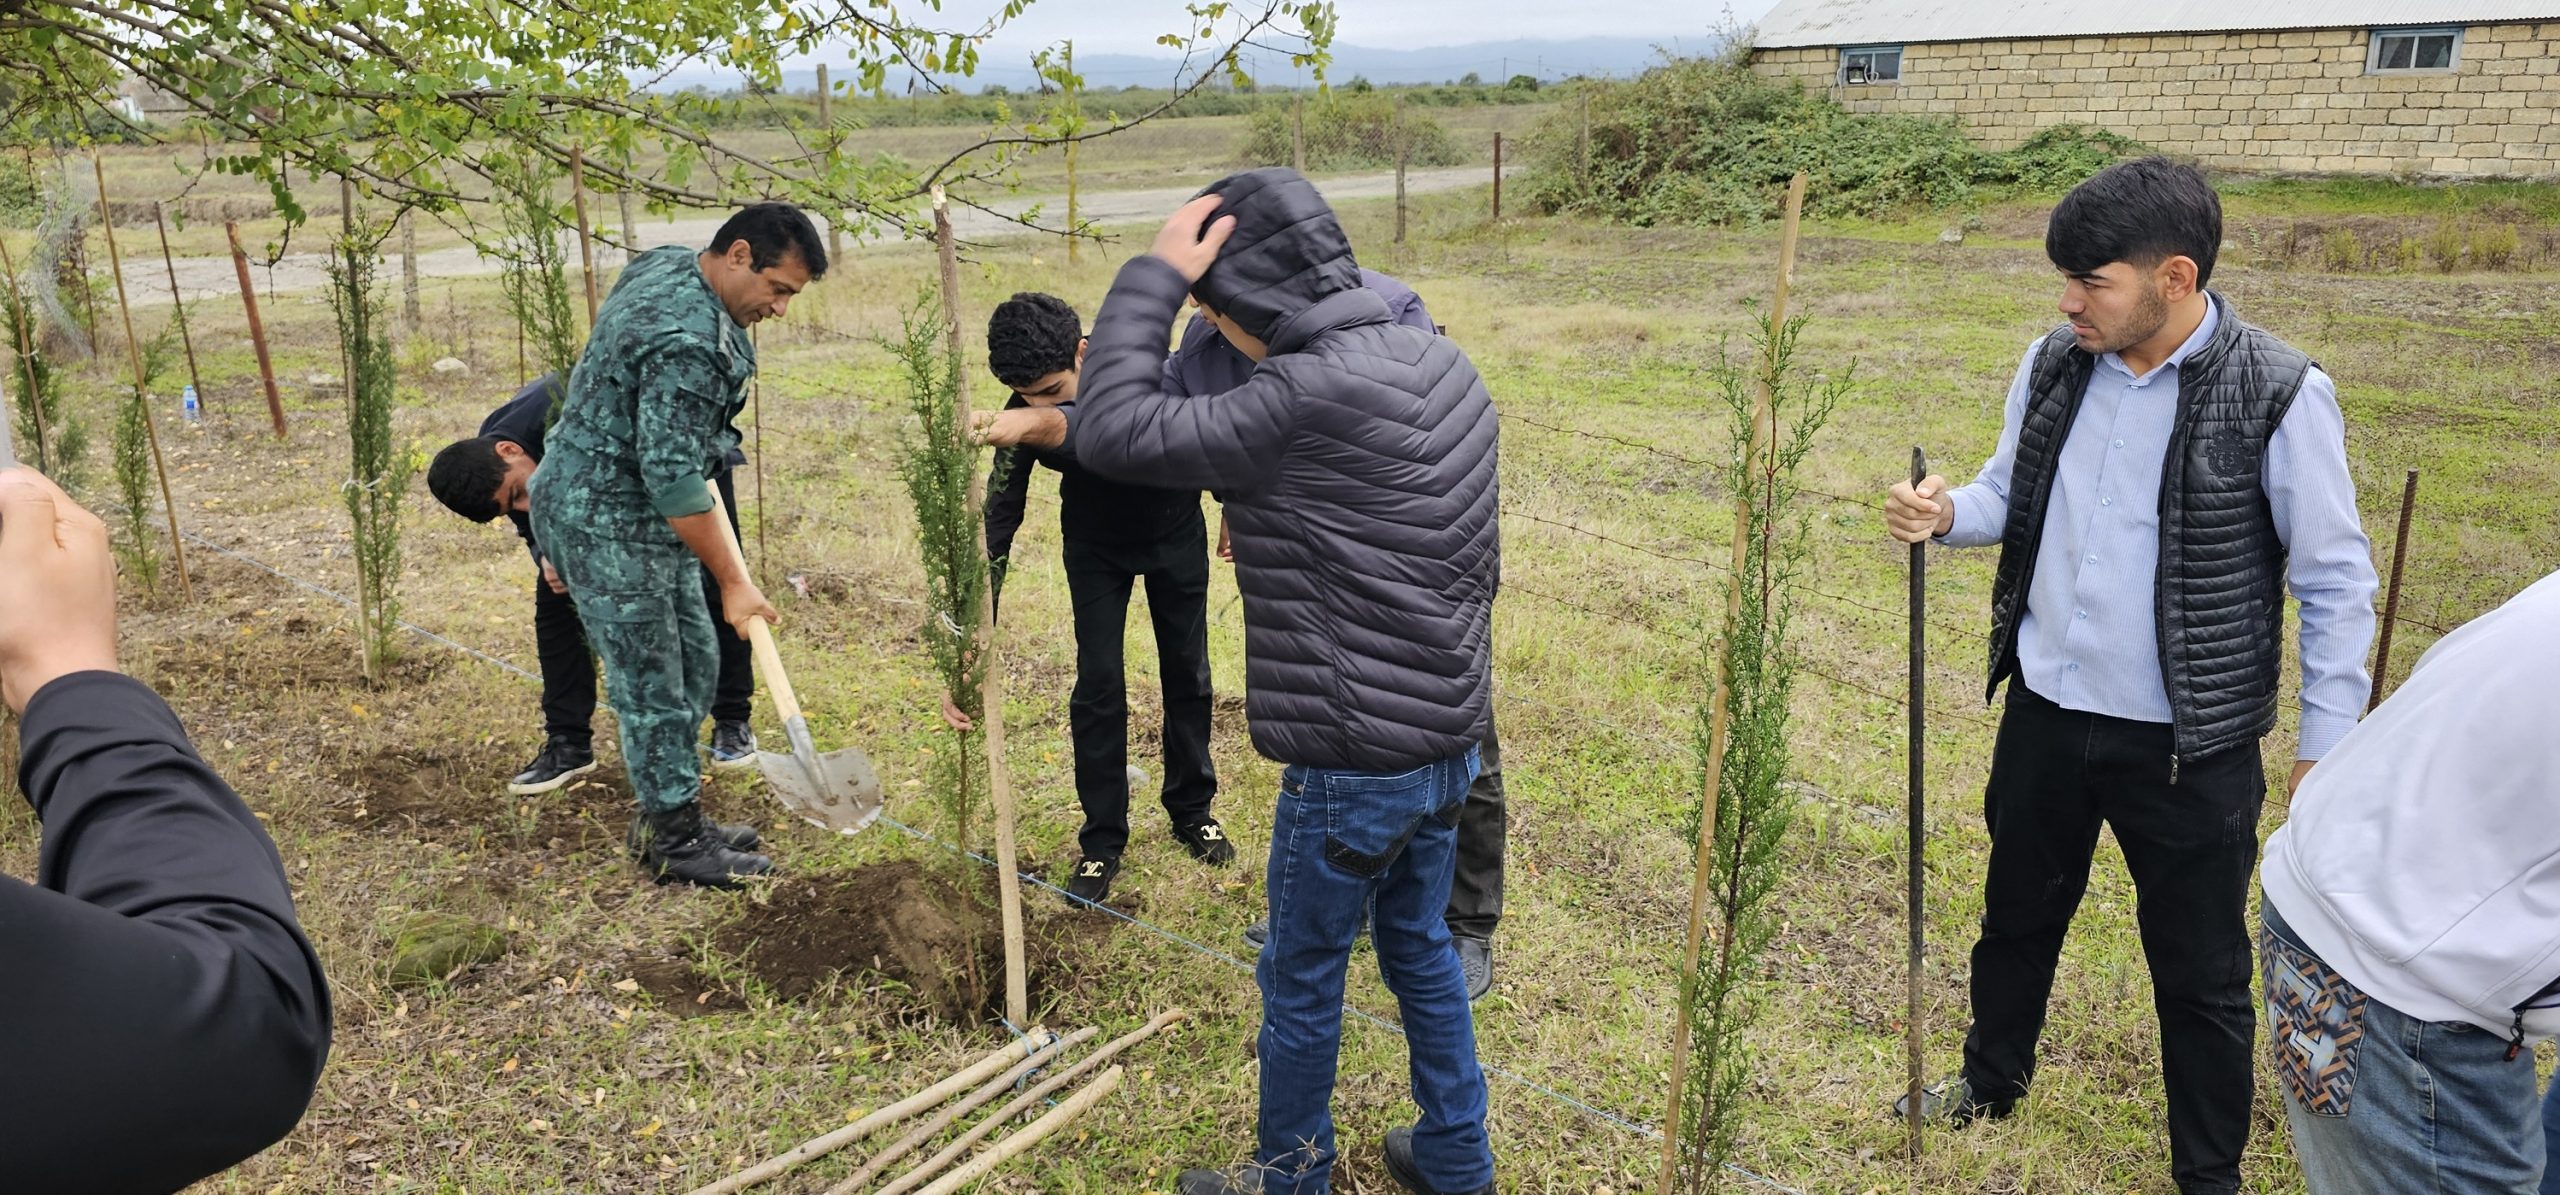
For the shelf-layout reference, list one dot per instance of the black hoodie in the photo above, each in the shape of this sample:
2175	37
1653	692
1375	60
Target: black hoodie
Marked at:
1357	467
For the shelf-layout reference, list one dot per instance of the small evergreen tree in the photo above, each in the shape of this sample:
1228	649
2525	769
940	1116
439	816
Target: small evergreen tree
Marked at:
1754	806
378	473
937	467
140	546
50	438
535	276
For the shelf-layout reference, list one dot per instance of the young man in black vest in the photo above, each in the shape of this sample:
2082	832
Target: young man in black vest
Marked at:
2165	473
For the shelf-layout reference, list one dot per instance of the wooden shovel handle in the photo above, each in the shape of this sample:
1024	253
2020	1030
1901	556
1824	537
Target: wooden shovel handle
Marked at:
759	632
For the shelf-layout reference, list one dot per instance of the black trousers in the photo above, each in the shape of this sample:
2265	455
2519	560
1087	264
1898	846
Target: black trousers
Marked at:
1099	580
1475	893
2056	774
569	668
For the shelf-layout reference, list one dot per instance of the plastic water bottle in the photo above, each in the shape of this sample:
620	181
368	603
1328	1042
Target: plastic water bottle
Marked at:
188	406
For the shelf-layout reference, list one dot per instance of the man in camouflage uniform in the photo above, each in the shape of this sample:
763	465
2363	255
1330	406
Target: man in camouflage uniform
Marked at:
623	507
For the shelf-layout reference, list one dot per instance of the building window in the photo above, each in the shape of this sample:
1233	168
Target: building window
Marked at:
1871	64
2414	51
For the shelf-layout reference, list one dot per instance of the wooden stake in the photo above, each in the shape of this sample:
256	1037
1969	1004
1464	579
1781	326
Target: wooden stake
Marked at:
1029	1099
133	352
1019	1143
586	242
1497	174
1763	434
827	121
1017	994
409	267
821	1146
27	364
1298	133
257	328
178	304
1404	158
2391	602
969	1103
1073	109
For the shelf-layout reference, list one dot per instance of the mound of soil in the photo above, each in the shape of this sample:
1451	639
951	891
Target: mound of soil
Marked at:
930	940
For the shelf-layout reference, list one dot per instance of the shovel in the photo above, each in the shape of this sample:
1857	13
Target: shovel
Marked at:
836	791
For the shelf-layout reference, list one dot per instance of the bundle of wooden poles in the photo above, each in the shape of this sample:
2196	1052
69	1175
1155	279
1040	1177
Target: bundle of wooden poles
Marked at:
983	1081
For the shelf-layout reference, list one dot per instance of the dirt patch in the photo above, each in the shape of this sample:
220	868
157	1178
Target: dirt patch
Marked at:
448	795
898	929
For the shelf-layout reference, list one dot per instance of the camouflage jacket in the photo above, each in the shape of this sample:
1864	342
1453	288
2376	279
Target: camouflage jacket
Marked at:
648	417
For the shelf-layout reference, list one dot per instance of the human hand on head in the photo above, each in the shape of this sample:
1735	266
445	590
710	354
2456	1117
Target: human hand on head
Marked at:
1189	247
57	588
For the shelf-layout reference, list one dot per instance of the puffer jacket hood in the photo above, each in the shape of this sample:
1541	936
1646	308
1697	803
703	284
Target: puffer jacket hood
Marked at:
1287	254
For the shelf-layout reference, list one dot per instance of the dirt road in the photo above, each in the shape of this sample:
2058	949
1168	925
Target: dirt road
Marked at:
214	277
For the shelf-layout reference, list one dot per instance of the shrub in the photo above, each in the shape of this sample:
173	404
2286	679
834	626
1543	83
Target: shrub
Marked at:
1348	132
2341	251
1707	141
2494	246
2444	246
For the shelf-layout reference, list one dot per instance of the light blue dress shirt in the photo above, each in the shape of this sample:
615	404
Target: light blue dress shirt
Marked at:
2089	640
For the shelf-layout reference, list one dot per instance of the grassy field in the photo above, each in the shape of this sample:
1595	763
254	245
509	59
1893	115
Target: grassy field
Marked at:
633	1040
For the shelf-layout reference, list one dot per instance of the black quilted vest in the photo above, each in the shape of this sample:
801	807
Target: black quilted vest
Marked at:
2218	598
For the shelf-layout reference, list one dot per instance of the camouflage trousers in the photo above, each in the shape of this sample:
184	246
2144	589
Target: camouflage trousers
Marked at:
651	628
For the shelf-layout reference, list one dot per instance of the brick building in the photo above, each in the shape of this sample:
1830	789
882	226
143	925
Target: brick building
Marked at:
2438	87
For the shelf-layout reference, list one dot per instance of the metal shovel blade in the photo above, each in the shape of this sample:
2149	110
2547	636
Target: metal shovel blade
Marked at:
835	791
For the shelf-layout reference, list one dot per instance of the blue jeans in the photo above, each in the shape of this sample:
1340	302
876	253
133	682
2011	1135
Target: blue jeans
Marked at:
2551	1139
1338	841
2381	1103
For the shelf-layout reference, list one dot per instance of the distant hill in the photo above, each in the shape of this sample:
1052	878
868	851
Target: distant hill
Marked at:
1492	62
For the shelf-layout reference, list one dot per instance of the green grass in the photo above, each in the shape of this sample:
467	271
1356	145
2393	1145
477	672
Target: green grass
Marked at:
538	1073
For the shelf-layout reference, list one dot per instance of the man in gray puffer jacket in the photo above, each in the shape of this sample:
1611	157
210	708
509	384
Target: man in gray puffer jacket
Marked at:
1357	465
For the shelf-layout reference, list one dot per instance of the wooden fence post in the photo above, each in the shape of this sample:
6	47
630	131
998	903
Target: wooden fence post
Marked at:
141	393
257	329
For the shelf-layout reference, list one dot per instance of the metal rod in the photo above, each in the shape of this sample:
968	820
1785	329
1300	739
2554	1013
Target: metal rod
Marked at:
178	302
1915	855
2391	600
257	328
133	352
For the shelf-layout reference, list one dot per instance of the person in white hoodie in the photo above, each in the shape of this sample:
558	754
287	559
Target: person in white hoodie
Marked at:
2412	924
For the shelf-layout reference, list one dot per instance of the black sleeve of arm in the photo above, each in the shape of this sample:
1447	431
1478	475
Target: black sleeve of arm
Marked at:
1008	489
162	1014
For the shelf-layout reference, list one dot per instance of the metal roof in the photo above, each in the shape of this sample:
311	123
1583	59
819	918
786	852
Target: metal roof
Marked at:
1863	22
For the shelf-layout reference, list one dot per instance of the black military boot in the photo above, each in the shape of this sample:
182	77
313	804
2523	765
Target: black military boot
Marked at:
635	841
685	847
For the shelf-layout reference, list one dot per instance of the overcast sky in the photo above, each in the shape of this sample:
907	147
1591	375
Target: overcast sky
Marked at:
1131	26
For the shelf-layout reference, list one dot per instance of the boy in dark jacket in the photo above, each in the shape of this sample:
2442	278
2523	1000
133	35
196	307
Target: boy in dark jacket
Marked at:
1206	364
1112	535
484	477
1357	465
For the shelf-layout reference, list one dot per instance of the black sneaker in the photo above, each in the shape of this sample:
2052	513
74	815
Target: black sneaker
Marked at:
562	760
1207	842
635	841
1952	1100
1475	961
1401	1167
683	848
733	745
1090	882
